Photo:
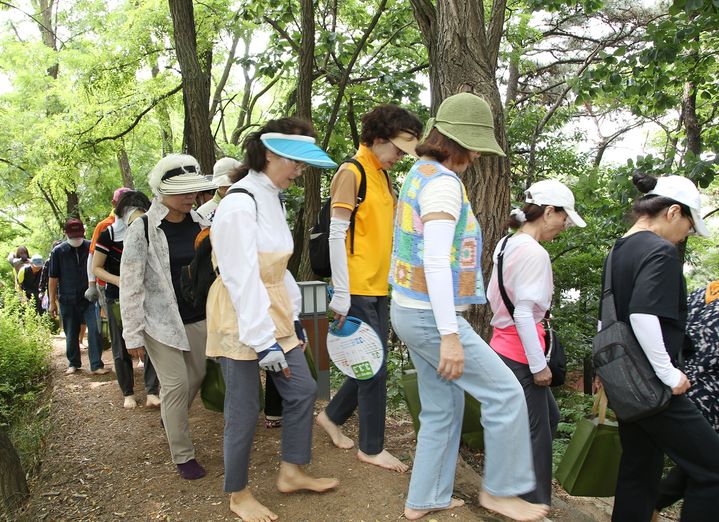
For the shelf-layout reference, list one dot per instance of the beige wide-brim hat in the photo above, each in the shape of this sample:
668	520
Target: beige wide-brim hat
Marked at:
467	119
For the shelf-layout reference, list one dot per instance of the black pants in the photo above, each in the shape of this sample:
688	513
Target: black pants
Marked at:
543	420
683	433
273	399
123	361
370	395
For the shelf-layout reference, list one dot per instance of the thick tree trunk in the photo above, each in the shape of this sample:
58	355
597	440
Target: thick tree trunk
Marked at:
463	52
125	170
195	85
312	179
13	487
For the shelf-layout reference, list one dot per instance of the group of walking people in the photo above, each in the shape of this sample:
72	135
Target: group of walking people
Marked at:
426	243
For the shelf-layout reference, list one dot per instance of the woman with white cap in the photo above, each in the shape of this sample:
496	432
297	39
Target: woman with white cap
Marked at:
435	275
253	308
518	335
155	316
360	242
222	178
650	295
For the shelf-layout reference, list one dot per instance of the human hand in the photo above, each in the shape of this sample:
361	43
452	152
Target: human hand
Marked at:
683	385
300	333
52	309
543	377
138	353
340	305
273	360
91	294
451	357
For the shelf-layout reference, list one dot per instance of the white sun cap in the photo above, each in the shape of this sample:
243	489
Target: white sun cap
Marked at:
683	191
557	194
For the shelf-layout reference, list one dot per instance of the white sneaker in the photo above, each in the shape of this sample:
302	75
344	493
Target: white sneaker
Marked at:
70	370
153	401
130	403
140	364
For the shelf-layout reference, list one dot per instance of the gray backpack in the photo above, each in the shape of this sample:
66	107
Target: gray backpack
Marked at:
633	388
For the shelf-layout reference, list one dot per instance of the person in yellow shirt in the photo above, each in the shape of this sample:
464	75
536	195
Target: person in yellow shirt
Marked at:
360	255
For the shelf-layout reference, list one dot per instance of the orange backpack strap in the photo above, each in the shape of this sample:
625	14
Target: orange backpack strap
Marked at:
200	236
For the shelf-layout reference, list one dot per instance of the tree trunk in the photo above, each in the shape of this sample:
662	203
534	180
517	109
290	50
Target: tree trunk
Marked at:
463	52
13	487
195	85
125	170
163	117
312	179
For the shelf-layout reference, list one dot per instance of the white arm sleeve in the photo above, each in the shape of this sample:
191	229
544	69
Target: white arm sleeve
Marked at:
438	237
648	332
338	261
234	243
90	273
527	330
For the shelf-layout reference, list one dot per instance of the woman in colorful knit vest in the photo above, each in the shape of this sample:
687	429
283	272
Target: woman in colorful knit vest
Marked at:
518	335
435	276
360	256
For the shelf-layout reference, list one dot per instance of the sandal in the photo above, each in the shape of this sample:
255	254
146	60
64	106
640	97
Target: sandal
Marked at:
273	423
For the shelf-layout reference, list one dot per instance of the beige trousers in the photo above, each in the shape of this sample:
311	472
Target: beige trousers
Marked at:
180	375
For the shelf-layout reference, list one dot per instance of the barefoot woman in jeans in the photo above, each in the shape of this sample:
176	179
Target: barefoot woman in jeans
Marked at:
435	275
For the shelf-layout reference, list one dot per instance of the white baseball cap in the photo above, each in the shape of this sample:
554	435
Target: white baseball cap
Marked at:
221	170
557	194
682	190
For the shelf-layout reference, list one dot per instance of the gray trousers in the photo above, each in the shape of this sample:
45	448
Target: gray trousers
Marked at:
543	421
180	375
242	408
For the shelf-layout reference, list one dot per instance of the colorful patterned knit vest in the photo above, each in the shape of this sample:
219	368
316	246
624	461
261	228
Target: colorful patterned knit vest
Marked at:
407	270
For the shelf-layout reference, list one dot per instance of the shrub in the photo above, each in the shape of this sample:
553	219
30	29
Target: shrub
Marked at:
24	356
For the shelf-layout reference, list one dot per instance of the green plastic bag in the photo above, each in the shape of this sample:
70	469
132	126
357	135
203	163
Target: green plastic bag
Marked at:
590	466
212	391
472	431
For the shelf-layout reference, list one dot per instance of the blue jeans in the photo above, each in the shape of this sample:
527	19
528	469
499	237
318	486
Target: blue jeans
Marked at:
508	464
72	316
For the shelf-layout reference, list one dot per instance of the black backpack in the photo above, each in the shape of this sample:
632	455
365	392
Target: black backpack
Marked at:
319	247
197	277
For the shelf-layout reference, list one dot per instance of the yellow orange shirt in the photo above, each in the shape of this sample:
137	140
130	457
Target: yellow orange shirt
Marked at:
369	266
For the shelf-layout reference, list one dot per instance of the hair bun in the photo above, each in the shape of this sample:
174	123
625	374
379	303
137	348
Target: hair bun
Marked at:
644	182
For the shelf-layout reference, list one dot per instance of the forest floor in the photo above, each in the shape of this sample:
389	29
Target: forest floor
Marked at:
102	462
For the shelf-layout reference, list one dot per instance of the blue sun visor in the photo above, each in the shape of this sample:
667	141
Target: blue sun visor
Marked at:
299	148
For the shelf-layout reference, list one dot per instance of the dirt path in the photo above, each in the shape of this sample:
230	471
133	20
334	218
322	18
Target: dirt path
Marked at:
103	462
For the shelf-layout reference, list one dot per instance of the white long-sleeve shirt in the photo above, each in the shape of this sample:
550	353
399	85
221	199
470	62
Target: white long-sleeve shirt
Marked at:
242	229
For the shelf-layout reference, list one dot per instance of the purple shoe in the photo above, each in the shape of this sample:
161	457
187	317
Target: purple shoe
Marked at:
191	470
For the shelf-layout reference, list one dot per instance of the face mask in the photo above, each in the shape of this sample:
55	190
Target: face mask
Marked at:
75	242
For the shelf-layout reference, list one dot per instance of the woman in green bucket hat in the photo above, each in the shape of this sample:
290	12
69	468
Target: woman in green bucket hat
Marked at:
435	275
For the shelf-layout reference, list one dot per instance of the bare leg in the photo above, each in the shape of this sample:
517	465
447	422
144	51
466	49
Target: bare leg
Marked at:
513	507
292	478
83	328
384	459
245	506
339	439
415	514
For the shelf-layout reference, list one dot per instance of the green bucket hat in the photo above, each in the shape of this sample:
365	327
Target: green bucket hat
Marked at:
467	119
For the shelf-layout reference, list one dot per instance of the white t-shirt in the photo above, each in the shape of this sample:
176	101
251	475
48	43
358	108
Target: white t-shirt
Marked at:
527	272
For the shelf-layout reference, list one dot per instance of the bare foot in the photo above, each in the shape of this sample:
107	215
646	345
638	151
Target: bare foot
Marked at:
415	514
339	439
245	506
384	459
513	507
292	478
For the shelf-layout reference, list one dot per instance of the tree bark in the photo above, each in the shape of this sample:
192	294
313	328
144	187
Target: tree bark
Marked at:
195	85
13	487
463	51
312	179
125	170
